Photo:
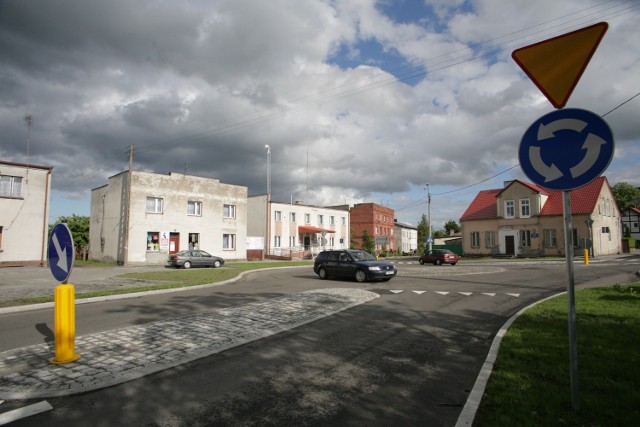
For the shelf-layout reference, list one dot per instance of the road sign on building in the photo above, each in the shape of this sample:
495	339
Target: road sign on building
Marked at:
61	252
566	149
555	65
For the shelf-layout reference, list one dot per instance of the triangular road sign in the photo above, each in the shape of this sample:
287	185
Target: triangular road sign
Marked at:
555	65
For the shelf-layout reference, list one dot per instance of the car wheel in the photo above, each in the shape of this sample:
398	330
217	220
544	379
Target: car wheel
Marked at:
438	262
217	263
187	264
322	273
361	276
421	261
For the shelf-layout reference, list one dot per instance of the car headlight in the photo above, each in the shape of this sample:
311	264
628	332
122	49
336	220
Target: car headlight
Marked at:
374	268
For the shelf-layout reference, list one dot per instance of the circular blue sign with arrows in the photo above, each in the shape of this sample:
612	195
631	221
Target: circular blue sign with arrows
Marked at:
566	149
61	252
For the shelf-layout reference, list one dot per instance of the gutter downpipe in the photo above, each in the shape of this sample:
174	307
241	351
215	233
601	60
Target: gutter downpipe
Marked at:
45	218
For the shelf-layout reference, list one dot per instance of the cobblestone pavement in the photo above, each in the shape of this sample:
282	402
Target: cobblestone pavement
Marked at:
113	357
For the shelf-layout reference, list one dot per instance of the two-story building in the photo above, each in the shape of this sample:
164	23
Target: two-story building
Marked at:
406	237
523	219
630	218
148	217
24	210
296	230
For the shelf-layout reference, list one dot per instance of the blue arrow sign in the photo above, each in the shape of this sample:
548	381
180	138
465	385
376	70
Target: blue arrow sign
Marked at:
61	252
566	149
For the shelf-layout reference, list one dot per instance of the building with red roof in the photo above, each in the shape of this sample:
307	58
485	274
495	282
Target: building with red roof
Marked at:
525	220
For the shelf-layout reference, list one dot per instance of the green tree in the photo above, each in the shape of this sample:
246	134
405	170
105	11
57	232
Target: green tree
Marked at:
452	225
367	242
79	227
626	195
423	232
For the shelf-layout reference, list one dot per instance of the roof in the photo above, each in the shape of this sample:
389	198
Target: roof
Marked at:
583	200
311	229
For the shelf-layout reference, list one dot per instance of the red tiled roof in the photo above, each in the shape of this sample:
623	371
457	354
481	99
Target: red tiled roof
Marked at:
583	200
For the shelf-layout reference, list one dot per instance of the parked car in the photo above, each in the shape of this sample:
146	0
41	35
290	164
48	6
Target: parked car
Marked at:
439	256
194	258
350	263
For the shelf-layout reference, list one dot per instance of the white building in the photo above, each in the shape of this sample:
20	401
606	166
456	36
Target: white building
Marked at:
295	230
24	212
406	237
166	213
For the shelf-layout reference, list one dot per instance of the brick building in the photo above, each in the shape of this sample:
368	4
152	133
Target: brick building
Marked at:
377	220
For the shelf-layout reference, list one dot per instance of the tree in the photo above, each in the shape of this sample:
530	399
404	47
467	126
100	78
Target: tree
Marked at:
367	242
423	232
626	195
452	225
79	227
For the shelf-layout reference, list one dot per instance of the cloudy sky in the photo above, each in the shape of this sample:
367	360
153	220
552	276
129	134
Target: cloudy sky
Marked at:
359	100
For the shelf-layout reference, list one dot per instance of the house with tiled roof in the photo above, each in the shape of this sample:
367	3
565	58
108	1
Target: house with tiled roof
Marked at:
631	221
525	220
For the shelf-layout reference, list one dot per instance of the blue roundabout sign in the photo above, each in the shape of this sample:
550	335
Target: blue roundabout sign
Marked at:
61	252
566	149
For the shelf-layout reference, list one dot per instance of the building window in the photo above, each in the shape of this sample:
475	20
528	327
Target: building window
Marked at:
320	219
525	238
344	220
194	241
10	186
509	209
574	237
307	218
228	242
277	240
292	217
228	211
490	239
605	230
332	241
550	239
525	208
277	215
332	220
475	239
154	205
153	241
1	238
292	241
194	208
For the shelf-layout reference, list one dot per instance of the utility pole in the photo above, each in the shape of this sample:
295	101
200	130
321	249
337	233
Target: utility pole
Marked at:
429	238
127	220
29	120
268	207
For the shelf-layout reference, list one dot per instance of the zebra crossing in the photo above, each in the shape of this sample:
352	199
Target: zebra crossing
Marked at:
449	293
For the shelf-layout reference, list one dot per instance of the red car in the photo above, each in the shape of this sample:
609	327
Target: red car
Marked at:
439	256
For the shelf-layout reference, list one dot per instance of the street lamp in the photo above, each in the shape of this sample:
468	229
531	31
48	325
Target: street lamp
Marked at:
429	239
268	148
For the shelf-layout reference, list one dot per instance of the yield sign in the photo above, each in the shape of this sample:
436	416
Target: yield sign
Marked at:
555	65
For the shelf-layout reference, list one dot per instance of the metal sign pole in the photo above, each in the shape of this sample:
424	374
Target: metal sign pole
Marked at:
573	345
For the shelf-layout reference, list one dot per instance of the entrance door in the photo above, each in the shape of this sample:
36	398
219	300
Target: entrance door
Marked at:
307	243
174	243
510	244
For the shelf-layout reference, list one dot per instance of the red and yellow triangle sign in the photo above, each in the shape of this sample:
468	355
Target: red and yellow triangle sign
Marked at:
555	65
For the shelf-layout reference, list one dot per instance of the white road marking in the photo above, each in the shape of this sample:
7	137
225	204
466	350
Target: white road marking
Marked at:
442	293
396	291
27	411
419	292
513	295
465	293
489	294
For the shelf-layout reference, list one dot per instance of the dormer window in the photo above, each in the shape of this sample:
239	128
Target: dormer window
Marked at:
525	208
509	209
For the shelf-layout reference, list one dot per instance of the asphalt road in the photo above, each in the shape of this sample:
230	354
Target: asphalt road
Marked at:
407	358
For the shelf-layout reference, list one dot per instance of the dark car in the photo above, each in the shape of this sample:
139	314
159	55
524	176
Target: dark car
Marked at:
194	258
350	263
439	256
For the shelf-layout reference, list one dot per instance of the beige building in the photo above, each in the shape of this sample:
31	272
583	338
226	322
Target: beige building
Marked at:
525	220
406	236
24	213
295	230
158	215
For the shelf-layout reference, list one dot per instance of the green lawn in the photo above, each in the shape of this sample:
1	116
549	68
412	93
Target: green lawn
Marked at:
530	383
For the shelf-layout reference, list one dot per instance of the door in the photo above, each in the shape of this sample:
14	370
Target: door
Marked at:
510	244
174	243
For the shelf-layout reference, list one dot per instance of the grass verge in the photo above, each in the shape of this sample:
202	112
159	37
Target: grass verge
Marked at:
530	383
170	279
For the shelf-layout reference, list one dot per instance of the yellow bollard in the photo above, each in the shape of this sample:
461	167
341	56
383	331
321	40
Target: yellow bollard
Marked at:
586	257
64	325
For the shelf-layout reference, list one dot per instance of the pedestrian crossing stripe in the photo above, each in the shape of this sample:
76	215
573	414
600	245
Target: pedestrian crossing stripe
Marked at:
513	295
419	292
466	294
489	294
445	293
442	293
396	291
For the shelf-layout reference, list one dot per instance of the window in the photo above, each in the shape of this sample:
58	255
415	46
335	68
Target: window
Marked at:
194	241
228	241
525	208
344	220
154	205
10	186
332	241
490	239
194	208
525	238
0	238
332	220
509	209
292	217
320	219
605	230
574	237
292	241
153	241
228	211
550	239
277	240
475	239
277	215
307	218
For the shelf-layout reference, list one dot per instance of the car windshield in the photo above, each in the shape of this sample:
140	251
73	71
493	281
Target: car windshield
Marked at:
362	256
446	251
